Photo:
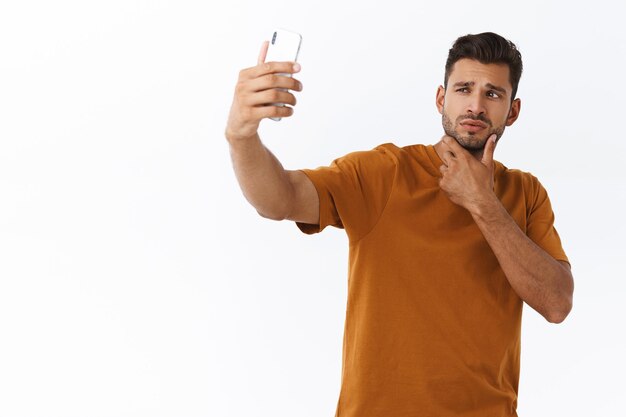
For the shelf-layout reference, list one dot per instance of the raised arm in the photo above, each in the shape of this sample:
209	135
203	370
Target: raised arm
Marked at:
274	192
541	281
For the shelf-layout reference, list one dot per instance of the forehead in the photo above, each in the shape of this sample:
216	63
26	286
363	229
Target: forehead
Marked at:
470	70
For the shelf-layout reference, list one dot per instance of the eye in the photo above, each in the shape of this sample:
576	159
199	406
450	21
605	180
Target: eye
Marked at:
493	94
463	90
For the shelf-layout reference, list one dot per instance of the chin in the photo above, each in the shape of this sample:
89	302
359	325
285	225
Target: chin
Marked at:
471	143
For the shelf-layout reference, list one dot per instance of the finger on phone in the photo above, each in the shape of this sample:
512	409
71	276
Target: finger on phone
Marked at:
285	67
274	81
271	97
263	52
272	111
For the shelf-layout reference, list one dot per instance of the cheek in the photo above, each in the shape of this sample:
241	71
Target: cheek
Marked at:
450	108
499	116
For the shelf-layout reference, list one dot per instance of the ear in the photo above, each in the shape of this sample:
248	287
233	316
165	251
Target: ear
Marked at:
440	99
514	112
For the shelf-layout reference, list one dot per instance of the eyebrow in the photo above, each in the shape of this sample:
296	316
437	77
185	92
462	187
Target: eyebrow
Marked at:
472	83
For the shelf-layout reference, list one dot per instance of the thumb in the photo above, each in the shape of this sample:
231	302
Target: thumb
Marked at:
490	147
263	52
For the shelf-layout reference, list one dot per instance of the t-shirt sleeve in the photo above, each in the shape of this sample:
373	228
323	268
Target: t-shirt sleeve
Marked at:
540	223
353	191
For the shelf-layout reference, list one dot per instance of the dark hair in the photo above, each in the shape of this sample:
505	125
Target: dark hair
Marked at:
487	48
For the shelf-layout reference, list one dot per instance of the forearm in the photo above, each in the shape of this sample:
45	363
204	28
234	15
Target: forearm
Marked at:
540	280
263	180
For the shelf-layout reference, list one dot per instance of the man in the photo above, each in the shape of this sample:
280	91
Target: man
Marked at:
445	243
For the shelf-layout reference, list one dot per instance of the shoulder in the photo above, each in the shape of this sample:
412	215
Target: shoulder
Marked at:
522	183
382	156
514	176
391	153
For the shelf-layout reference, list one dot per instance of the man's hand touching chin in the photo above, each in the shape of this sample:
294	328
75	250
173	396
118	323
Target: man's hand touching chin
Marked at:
466	180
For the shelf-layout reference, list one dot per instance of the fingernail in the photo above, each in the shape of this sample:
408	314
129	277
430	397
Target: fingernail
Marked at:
296	67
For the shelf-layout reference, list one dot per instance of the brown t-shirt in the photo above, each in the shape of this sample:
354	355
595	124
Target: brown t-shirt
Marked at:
432	325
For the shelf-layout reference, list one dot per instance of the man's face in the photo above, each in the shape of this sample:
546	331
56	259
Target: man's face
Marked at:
477	103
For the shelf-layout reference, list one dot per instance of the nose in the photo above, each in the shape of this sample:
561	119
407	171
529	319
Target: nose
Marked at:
476	104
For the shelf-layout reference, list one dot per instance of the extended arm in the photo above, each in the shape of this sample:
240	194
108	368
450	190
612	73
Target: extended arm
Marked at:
274	192
542	282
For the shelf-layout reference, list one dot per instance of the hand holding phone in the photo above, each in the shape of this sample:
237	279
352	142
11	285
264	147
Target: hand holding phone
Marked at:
263	90
284	46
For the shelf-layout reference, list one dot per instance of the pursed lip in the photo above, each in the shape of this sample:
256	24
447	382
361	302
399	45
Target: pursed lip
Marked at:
472	122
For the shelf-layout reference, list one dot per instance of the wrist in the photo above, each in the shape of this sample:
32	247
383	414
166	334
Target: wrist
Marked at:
486	208
235	138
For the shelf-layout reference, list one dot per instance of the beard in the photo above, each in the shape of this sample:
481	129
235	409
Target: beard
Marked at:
472	141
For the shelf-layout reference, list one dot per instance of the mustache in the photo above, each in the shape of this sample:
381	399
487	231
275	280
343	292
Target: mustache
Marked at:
480	117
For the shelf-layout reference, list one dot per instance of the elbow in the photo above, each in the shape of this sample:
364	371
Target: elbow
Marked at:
559	315
272	216
563	306
278	212
276	208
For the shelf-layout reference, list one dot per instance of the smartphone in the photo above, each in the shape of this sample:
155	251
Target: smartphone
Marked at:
284	46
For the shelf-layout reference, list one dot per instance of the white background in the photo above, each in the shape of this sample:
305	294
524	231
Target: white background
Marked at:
135	280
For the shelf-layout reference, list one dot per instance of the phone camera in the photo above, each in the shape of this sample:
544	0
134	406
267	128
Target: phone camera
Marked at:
274	38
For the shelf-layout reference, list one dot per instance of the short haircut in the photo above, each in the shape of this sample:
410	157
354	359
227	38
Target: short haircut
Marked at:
487	48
